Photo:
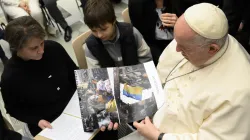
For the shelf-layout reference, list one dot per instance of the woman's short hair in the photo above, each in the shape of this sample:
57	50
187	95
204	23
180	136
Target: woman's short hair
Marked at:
98	12
20	30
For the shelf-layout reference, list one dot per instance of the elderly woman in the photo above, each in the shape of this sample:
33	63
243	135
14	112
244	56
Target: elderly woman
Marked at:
38	81
18	8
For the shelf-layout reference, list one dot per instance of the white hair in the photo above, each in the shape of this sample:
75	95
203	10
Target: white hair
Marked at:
200	40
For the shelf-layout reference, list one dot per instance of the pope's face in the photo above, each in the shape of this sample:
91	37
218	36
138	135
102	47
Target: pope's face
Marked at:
184	36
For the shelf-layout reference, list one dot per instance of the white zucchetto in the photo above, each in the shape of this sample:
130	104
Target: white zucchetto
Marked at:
207	20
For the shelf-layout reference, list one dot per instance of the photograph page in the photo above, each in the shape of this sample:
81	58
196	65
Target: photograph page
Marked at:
120	94
96	97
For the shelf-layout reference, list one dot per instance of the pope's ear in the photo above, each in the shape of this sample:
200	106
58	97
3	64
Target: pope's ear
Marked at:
213	49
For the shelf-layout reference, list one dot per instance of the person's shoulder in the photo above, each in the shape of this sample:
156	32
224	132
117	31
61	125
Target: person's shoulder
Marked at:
135	31
11	65
138	36
52	46
128	27
124	24
53	50
10	71
91	37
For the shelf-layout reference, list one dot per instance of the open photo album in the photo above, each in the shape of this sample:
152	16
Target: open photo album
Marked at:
119	94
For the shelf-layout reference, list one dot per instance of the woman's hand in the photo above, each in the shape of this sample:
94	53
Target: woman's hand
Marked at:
44	124
168	19
241	26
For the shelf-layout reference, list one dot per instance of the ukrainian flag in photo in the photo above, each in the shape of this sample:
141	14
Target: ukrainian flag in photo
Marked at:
133	92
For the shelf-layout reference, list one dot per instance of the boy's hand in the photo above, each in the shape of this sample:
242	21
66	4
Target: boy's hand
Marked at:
110	127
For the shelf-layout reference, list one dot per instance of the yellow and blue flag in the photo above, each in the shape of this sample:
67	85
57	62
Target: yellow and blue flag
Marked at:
133	92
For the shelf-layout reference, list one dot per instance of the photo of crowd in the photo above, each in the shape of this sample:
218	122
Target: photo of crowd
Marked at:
97	103
133	93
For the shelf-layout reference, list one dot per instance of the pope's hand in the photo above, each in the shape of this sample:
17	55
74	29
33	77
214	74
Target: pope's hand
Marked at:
44	124
147	129
168	19
110	127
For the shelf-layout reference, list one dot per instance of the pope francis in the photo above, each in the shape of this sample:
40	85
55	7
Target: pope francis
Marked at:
206	73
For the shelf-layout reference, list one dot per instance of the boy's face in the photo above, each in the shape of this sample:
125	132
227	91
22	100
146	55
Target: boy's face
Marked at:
105	32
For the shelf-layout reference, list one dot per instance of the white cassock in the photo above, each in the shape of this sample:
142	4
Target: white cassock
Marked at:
210	103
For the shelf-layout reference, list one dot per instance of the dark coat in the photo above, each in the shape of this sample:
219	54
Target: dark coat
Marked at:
144	17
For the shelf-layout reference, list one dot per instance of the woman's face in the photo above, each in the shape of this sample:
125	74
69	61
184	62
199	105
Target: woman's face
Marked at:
33	49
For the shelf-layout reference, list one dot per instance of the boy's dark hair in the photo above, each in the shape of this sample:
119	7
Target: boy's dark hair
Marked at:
98	12
20	30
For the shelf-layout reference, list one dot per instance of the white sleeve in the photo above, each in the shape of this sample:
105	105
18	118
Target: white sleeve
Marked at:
11	2
144	53
230	121
92	62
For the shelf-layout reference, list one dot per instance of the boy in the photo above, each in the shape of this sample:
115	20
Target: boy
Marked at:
112	43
